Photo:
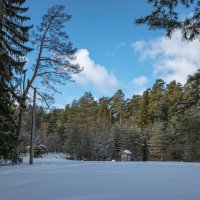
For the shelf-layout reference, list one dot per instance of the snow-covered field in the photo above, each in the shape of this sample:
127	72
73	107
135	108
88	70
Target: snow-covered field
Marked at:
54	178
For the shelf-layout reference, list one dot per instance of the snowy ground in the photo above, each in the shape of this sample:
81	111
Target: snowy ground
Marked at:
54	178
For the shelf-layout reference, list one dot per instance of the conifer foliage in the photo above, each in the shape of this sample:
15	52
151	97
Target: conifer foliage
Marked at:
13	49
165	16
13	36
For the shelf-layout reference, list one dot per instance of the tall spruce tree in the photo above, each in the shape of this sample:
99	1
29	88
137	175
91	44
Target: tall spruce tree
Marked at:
13	36
116	133
8	139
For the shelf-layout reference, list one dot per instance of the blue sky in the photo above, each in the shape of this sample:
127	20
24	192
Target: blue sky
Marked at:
115	53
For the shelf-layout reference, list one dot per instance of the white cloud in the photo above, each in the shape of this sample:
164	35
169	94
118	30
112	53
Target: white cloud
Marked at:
138	45
140	81
94	74
173	58
139	84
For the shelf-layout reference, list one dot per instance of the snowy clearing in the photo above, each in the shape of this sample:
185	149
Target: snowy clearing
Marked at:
53	178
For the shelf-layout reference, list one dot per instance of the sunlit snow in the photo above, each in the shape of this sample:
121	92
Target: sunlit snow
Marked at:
53	178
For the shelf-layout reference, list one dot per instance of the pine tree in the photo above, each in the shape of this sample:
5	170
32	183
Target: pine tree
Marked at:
134	109
165	16
87	112
103	113
54	55
192	90
174	95
118	106
144	110
156	100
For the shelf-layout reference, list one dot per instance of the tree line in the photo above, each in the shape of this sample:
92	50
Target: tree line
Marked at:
161	124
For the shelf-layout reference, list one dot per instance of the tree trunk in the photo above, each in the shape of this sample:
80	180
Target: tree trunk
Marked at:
19	128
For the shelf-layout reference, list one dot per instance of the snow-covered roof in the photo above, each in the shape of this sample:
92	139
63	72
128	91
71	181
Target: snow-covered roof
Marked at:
41	145
127	152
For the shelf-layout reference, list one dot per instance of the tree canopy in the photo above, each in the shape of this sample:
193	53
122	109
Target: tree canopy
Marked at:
166	15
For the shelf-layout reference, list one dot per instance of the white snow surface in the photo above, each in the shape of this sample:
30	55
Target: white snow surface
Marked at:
54	178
